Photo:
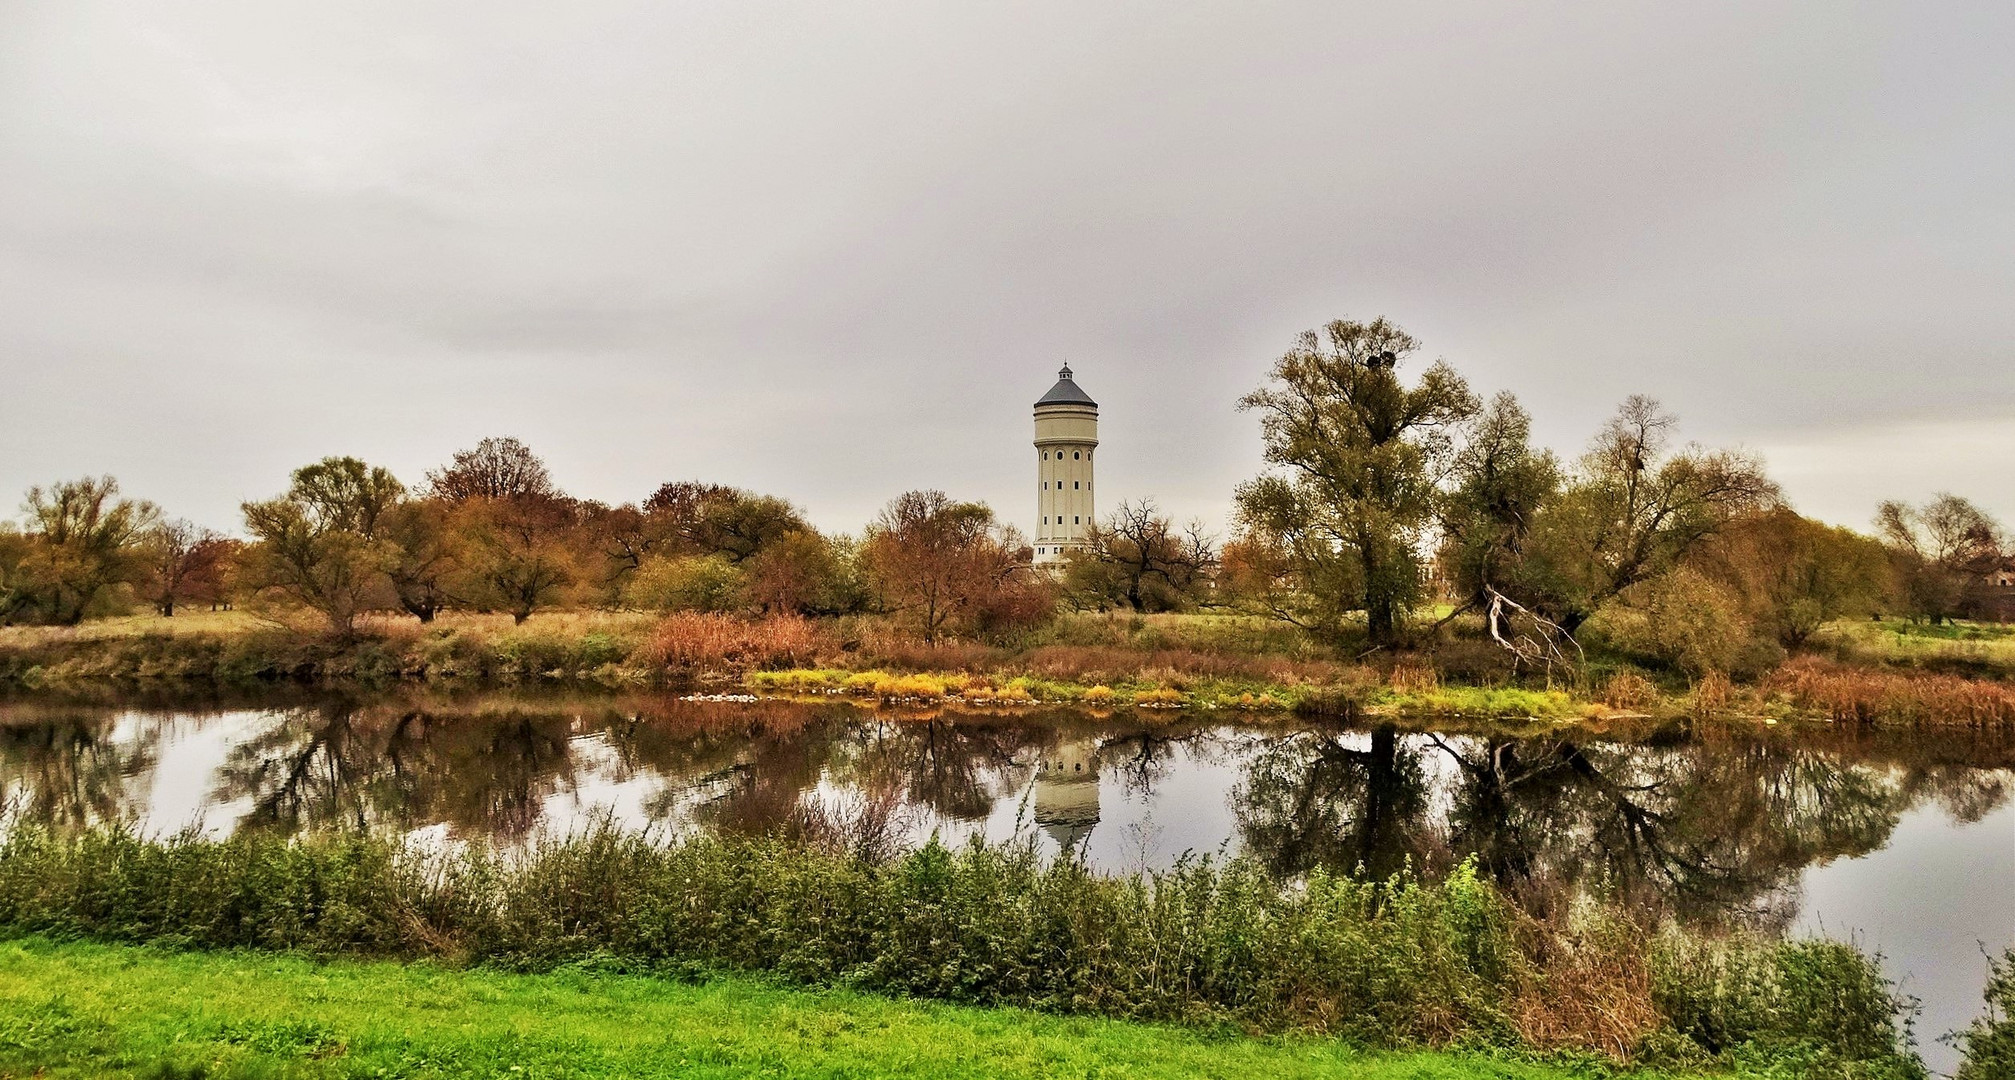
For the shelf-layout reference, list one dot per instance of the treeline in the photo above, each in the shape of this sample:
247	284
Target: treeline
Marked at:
490	532
1384	496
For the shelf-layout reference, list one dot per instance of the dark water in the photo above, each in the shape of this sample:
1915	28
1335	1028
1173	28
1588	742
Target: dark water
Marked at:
1905	843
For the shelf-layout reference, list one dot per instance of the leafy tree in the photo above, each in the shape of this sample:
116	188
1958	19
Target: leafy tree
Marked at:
802	572
498	468
1138	558
949	565
1356	454
1940	549
712	519
423	556
179	556
318	546
1499	485
17	572
685	583
519	553
1794	575
85	541
1632	510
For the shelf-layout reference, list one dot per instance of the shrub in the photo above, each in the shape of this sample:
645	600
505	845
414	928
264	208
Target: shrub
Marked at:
1989	1044
693	642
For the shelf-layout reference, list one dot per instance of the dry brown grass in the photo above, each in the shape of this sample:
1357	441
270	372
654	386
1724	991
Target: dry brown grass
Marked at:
694	642
1860	695
1629	690
1595	990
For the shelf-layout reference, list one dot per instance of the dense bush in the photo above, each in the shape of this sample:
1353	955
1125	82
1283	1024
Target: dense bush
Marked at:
1397	961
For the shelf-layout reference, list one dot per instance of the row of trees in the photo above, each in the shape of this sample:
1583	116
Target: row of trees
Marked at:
491	532
1382	496
1378	489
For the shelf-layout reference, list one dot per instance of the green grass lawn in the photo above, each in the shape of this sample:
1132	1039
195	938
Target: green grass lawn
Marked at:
85	1010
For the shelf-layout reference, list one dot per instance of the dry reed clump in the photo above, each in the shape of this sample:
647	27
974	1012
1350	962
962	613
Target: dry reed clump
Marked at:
1629	690
694	642
1860	695
1413	678
1712	694
1594	988
1161	697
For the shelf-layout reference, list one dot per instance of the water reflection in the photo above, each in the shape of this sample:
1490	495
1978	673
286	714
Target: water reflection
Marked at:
1709	823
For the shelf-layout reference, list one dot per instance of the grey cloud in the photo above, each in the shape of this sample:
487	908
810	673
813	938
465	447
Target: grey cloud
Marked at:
835	251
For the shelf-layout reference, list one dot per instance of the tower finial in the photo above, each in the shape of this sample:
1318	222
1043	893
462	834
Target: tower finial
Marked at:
1065	373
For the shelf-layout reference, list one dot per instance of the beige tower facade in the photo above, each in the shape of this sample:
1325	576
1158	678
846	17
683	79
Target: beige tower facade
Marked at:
1066	433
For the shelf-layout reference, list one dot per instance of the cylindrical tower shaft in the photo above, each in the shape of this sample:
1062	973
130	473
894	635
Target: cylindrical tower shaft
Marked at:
1066	433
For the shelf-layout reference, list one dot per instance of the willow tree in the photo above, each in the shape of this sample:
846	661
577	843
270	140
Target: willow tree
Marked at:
1355	455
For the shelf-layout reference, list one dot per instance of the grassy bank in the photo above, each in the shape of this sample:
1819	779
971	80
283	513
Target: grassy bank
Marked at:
1390	964
84	1010
1890	674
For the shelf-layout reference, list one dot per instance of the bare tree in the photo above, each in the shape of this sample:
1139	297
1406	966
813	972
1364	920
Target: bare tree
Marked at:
498	468
1137	556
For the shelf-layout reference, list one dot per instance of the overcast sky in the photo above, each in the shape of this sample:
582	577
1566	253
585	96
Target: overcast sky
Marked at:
834	252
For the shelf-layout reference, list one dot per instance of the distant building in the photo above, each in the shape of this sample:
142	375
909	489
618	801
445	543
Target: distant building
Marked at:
1066	432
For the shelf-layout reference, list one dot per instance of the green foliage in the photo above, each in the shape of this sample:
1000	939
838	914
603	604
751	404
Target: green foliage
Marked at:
1990	1042
80	1010
1356	453
704	583
1821	1003
1385	962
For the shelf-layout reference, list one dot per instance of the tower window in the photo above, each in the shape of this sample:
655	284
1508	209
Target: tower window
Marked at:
1073	485
1074	519
1074	455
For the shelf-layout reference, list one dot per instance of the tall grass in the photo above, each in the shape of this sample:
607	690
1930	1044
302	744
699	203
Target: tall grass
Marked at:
1861	695
1382	962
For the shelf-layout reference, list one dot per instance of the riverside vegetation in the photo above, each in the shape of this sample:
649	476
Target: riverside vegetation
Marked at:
1406	544
1406	552
1382	964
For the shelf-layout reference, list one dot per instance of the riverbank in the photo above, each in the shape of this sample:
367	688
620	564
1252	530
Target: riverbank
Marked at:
75	1009
1395	964
1869	674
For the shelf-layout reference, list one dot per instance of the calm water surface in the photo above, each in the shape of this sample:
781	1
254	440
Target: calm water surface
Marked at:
1906	844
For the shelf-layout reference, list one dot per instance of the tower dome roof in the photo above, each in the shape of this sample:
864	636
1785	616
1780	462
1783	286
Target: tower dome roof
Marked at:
1065	392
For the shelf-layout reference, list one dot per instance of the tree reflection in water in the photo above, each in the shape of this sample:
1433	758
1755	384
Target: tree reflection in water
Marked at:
67	767
1707	822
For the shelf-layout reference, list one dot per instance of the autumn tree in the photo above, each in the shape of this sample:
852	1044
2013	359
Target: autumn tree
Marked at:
1940	549
84	540
422	556
178	556
1793	574
498	468
713	519
1633	508
519	553
1355	453
950	566
319	545
1137	557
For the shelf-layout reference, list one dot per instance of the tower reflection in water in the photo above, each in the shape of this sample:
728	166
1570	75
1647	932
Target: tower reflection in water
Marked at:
1066	793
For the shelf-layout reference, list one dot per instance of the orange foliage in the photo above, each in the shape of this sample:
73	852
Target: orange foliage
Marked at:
691	641
1876	696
